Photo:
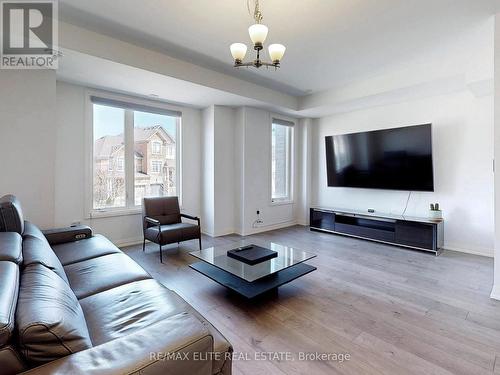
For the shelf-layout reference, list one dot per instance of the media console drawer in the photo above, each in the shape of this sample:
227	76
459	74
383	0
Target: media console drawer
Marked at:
415	234
367	232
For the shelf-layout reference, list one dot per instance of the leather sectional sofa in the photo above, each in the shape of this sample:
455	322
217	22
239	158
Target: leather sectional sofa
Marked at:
84	307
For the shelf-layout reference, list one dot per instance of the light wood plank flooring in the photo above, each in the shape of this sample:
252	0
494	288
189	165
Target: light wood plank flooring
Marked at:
395	311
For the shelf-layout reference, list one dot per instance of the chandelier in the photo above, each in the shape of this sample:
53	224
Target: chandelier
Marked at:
258	34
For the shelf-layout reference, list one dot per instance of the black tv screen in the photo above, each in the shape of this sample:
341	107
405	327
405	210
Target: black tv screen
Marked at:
395	159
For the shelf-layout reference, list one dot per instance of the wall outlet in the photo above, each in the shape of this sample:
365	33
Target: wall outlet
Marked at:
371	210
258	221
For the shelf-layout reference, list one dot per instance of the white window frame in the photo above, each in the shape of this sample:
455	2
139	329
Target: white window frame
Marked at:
290	163
130	207
156	143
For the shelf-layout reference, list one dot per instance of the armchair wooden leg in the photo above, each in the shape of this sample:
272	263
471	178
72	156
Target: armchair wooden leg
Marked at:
161	256
144	244
199	239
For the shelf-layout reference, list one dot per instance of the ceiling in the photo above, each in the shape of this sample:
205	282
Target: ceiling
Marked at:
329	42
98	73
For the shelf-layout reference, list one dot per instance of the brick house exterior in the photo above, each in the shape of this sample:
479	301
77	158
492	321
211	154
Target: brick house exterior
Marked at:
154	166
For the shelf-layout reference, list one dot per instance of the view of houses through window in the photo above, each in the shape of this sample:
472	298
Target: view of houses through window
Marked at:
154	156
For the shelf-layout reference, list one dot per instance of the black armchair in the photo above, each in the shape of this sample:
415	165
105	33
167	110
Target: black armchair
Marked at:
162	223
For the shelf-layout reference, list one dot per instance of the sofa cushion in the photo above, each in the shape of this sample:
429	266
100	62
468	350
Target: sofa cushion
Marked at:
98	274
132	307
11	215
73	252
221	363
173	233
9	287
38	251
11	247
11	361
49	320
128	308
32	230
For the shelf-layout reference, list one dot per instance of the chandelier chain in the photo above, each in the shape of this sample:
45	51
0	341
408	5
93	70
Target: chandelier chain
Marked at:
257	15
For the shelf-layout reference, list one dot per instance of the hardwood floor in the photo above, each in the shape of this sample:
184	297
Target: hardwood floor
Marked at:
394	311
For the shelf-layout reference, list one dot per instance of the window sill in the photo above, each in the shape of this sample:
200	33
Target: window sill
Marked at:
97	214
282	202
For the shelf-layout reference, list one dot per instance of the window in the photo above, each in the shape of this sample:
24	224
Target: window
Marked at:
170	152
157	148
156	166
120	162
108	183
128	162
281	160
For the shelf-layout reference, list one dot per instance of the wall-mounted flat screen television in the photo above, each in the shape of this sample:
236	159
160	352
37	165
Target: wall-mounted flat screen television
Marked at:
395	159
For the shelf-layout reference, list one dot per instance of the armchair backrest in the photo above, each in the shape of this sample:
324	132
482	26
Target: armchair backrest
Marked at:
164	209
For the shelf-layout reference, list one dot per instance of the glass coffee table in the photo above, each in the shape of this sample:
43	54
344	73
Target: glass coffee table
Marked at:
252	281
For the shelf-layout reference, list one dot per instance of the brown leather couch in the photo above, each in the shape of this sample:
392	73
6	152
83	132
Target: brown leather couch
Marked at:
84	307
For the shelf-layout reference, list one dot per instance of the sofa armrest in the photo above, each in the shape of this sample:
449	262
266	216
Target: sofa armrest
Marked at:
190	217
68	234
177	345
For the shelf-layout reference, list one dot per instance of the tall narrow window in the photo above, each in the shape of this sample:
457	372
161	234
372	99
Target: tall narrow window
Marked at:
135	153
281	160
151	132
109	149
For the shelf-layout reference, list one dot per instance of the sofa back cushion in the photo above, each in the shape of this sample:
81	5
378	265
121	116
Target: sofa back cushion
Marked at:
9	288
36	250
49	319
164	209
11	215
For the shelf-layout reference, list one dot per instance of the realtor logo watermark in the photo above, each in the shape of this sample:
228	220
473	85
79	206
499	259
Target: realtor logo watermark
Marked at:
29	34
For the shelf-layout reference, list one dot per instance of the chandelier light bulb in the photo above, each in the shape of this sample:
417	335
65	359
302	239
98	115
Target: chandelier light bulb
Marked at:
276	52
258	34
238	50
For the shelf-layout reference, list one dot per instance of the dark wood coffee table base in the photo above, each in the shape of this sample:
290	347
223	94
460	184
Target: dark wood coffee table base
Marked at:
257	287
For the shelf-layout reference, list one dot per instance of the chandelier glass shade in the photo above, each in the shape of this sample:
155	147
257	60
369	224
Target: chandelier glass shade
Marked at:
258	35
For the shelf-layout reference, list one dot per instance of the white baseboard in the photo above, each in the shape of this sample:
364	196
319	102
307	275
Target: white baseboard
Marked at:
268	228
485	252
495	292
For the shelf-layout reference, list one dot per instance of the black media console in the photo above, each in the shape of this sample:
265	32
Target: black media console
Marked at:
412	232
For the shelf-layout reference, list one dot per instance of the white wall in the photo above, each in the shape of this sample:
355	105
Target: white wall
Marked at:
27	141
304	167
224	170
463	153
495	293
208	171
70	183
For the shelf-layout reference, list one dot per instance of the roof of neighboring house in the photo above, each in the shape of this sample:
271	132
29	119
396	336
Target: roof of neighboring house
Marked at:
106	146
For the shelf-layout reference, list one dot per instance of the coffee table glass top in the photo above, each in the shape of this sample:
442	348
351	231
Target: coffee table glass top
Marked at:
287	257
